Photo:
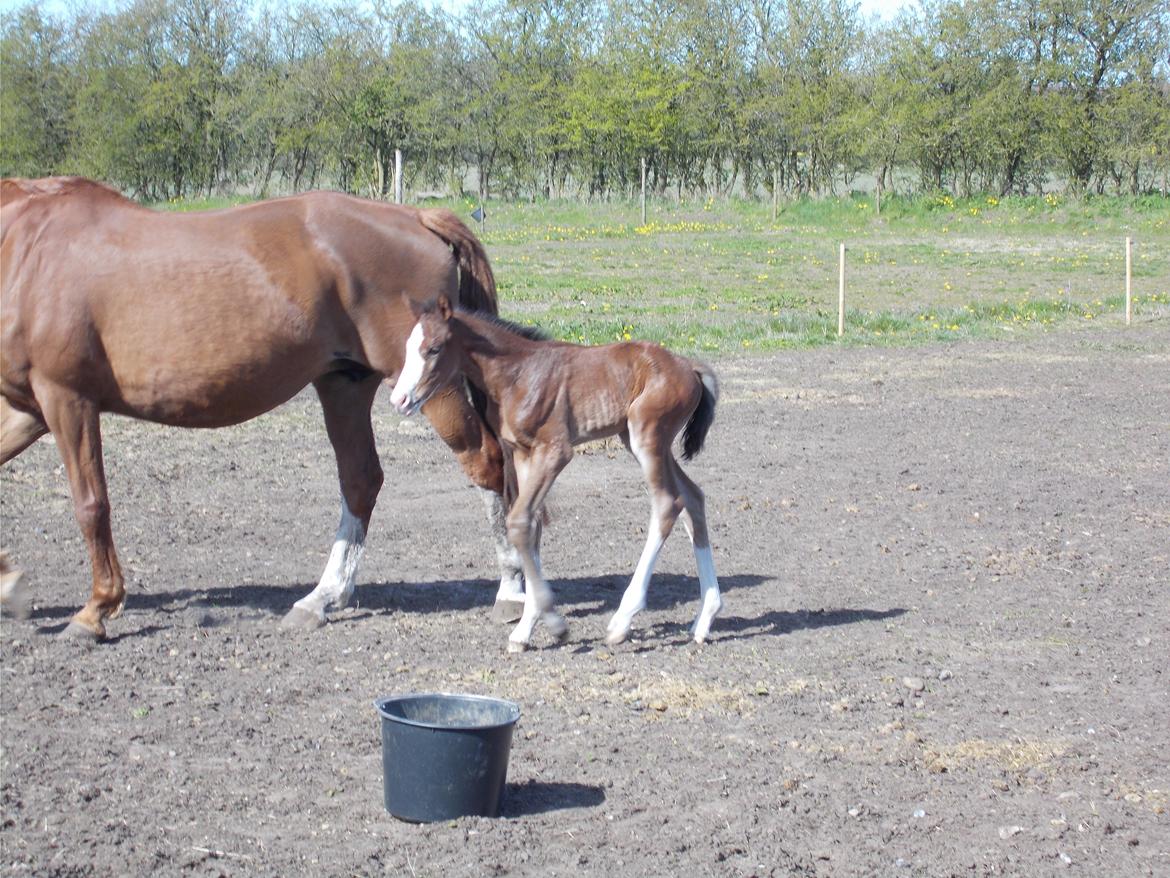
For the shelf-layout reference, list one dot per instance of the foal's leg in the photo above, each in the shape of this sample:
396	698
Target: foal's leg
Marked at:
75	424
346	404
654	456
18	430
480	455
535	472
695	521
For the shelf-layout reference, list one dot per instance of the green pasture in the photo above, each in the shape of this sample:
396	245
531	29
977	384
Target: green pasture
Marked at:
722	276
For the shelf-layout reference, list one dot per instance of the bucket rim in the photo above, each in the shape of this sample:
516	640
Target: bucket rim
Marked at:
511	706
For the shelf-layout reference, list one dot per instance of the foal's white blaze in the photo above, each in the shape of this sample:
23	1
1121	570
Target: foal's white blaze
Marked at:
402	397
337	582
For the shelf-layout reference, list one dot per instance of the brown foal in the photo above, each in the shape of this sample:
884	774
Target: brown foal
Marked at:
209	319
543	398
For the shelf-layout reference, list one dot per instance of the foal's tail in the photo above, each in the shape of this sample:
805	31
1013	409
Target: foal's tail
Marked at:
695	432
477	284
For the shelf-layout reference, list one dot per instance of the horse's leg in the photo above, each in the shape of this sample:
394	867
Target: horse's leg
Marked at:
346	404
18	430
480	455
695	521
535	474
654	456
76	427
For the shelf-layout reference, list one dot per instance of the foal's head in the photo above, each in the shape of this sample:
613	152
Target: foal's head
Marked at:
429	364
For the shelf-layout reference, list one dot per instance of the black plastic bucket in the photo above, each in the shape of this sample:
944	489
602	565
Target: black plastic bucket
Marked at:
445	756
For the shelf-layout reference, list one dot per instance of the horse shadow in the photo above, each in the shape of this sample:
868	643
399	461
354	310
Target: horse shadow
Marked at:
538	797
580	597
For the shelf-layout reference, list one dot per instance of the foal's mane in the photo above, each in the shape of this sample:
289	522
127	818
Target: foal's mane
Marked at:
532	333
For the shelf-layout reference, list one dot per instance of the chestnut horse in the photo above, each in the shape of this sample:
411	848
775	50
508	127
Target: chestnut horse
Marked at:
544	397
212	318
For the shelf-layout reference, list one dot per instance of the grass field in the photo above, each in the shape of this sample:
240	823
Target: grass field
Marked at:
721	276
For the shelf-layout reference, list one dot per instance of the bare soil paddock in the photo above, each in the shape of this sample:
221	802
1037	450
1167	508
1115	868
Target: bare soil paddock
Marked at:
944	650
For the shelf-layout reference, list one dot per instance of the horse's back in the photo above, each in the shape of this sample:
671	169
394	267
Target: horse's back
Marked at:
203	318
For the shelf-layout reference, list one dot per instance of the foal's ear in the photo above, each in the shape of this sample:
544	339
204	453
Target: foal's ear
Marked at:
444	307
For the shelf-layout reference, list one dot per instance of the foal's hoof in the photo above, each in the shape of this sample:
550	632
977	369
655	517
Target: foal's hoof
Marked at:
613	638
516	646
299	617
506	610
83	634
14	597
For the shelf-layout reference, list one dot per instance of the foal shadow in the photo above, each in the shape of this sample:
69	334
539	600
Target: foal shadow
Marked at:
779	622
537	797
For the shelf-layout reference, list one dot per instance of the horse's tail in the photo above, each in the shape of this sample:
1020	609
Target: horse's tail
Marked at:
477	284
695	432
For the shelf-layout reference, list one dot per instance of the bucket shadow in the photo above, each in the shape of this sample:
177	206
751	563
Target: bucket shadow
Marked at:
536	797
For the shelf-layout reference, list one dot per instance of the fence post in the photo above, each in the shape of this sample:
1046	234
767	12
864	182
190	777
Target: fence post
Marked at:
841	294
1128	280
775	191
643	190
398	176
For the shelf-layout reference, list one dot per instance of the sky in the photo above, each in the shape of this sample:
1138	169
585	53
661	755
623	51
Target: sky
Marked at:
884	9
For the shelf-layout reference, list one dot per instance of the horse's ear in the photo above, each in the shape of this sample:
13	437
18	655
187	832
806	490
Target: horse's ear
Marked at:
444	305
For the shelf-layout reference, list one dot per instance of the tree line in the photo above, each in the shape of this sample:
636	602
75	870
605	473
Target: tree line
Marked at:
566	98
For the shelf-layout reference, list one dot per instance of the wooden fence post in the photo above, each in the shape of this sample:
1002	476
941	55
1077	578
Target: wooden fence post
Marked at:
398	176
643	190
841	294
1128	280
775	191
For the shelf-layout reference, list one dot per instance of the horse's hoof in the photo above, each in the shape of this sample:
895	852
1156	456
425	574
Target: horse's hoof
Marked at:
299	617
83	633
613	638
507	611
517	646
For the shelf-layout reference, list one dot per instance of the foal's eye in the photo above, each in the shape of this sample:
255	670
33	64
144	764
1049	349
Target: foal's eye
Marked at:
434	351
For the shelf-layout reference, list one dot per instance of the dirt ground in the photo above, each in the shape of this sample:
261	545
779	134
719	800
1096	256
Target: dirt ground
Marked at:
944	648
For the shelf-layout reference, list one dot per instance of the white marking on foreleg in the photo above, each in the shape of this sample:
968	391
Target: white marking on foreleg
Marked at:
511	571
634	598
337	581
522	633
710	600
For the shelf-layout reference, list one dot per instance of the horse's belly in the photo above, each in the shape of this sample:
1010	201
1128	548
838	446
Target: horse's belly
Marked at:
196	397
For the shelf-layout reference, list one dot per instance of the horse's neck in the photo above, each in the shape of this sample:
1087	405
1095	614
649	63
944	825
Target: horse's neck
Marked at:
492	354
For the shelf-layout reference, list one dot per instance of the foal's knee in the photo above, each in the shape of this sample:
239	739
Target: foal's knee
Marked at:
520	528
